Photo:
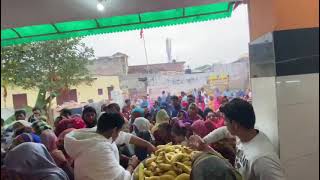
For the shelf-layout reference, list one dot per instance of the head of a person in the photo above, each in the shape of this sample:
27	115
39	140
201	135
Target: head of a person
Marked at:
57	121
178	132
211	98
49	139
146	110
141	124
113	108
224	100
31	160
25	137
163	92
36	112
21	126
127	102
239	116
74	122
212	116
183	93
164	130
175	101
20	115
156	104
66	113
190	99
211	167
103	107
182	115
193	109
26	129
199	128
199	93
110	125
162	117
206	111
39	126
89	115
137	112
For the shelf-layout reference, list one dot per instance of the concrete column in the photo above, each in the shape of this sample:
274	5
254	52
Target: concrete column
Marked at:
284	70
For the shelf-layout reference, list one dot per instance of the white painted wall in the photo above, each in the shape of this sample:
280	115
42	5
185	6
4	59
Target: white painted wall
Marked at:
265	105
298	115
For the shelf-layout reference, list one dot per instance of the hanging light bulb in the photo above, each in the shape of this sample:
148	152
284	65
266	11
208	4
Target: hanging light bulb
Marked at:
100	6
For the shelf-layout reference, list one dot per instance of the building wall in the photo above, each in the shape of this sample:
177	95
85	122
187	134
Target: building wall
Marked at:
176	83
237	71
132	87
110	66
271	15
265	106
8	102
84	91
157	68
298	114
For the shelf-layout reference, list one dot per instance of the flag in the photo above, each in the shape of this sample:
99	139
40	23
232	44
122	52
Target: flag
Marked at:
141	33
236	4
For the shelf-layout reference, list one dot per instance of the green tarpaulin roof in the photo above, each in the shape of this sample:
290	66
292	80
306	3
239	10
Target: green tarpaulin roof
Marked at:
145	20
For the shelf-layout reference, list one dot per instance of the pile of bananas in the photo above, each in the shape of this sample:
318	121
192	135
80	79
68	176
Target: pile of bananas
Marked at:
169	162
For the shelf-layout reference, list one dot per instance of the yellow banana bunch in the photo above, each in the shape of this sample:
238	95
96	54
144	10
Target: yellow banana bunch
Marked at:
183	176
169	162
141	172
183	167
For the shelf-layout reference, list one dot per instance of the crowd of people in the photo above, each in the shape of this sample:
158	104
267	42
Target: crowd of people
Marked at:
110	145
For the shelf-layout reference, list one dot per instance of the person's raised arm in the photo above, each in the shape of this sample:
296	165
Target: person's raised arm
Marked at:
127	138
142	143
197	143
216	135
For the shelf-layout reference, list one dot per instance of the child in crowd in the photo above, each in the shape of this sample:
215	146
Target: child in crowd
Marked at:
162	135
179	133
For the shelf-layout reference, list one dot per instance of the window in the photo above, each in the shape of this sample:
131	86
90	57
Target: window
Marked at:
100	91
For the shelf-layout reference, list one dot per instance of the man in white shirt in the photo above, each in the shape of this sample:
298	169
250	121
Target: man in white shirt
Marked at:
95	152
256	158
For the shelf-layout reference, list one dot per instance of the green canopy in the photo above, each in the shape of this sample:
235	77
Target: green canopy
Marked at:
27	34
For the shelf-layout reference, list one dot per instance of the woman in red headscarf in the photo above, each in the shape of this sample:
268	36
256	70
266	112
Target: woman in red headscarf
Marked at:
75	122
214	121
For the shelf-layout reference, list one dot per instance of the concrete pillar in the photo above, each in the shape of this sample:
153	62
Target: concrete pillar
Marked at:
284	67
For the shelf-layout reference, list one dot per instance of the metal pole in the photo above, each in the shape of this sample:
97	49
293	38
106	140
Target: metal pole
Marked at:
145	52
